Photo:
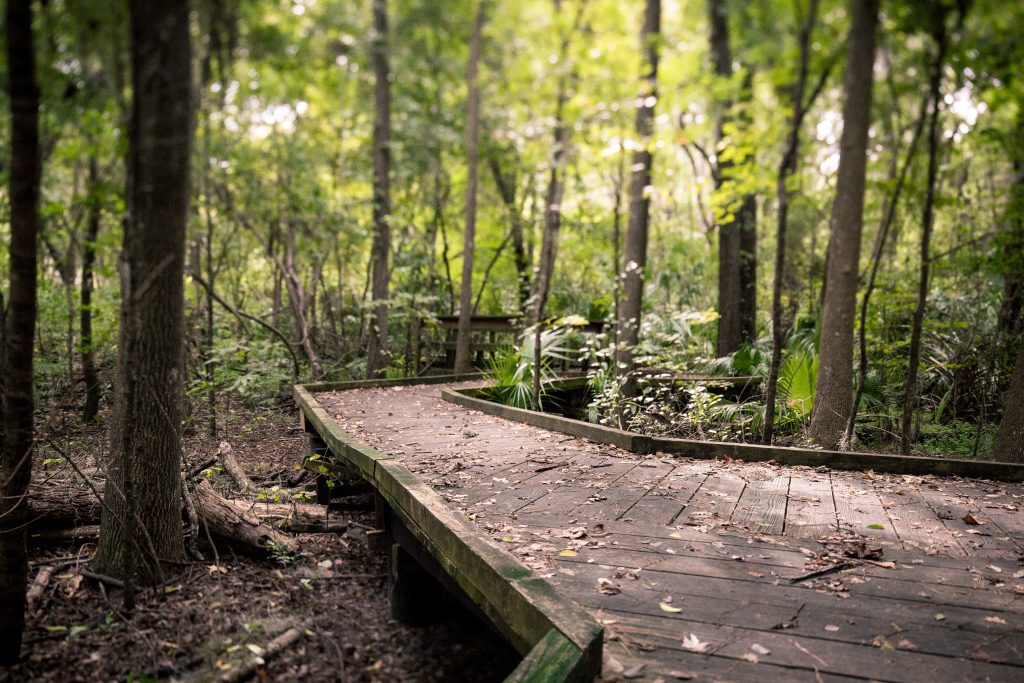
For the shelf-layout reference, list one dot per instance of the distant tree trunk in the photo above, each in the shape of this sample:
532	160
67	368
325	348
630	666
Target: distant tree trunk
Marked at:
141	521
941	36
731	323
91	377
1010	322
1009	446
834	389
787	168
378	343
747	219
16	440
635	256
552	207
462	339
521	259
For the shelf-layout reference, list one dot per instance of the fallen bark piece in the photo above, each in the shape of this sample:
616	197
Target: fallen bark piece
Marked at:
39	584
252	665
226	455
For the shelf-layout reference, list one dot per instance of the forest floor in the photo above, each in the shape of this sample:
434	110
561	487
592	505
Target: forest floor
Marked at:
213	615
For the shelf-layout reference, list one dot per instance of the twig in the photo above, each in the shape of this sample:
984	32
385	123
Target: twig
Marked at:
838	566
102	578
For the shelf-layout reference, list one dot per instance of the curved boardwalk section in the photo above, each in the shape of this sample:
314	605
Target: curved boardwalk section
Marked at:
723	570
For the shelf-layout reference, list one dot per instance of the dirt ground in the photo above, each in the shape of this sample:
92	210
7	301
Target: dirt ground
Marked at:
218	613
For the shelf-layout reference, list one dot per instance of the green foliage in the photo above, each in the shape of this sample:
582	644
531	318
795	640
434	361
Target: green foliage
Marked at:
957	439
511	369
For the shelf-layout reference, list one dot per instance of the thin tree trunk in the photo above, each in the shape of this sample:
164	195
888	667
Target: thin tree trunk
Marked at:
552	204
928	220
378	342
834	388
507	190
635	255
730	333
787	168
142	511
16	440
462	339
91	377
889	215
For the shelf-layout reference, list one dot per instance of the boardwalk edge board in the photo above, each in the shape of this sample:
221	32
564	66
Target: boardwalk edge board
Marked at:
785	455
560	641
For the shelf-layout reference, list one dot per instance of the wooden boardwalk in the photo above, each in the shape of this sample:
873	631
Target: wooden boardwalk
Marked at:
713	570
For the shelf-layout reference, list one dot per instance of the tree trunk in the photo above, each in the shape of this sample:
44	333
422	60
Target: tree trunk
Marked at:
941	37
1009	446
889	214
462	339
507	189
552	207
16	442
730	333
142	514
378	342
89	374
834	389
787	168
635	251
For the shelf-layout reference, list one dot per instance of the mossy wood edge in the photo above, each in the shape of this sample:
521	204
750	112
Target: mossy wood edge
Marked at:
708	450
560	641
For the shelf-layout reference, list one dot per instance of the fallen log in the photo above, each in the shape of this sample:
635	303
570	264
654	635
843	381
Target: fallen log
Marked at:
67	509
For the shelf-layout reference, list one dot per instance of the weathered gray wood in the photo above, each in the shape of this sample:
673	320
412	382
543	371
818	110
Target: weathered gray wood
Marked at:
762	507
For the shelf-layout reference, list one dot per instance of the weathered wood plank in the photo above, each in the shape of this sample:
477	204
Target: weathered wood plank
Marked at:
762	507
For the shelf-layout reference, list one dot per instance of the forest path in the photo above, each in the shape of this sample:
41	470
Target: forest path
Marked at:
689	564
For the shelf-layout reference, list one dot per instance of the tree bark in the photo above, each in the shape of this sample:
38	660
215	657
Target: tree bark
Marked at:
941	37
1009	445
141	525
889	214
462	338
91	408
521	259
787	167
731	294
16	441
552	205
834	389
378	342
635	250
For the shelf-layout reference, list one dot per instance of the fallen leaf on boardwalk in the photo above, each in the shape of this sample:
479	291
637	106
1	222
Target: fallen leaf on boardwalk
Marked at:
1019	574
623	573
665	607
881	643
996	569
750	657
831	628
694	644
759	649
876	526
608	587
996	620
756	575
635	672
568	553
905	644
971	519
598	531
939	616
676	534
683	675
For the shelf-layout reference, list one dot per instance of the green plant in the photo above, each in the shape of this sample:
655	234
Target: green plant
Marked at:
511	369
